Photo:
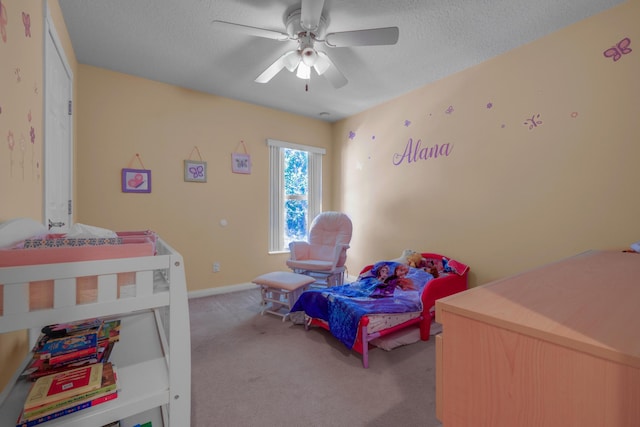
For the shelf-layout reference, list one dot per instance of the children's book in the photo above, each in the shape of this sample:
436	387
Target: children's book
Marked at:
42	367
65	384
109	384
61	359
69	344
110	330
59	330
61	413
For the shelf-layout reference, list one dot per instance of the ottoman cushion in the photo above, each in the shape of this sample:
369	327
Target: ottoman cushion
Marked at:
283	280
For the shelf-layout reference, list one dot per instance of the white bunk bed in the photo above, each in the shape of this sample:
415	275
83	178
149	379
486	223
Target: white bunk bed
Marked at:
153	356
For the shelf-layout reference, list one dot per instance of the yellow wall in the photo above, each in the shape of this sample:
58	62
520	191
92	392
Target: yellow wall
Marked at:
21	110
120	116
508	196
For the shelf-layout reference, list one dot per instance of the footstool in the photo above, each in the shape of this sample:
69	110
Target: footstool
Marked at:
280	291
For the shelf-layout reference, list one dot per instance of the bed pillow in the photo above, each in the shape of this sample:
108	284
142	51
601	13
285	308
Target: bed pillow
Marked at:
402	259
17	229
83	231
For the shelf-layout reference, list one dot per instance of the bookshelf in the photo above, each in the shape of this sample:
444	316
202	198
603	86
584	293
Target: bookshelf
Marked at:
153	355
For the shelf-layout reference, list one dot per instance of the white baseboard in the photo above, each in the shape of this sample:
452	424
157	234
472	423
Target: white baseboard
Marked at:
239	287
222	290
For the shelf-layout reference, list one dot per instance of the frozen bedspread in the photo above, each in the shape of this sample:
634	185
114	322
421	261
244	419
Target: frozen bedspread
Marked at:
390	287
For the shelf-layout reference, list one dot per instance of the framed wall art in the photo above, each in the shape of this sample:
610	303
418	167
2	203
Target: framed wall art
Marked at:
241	162
195	171
136	180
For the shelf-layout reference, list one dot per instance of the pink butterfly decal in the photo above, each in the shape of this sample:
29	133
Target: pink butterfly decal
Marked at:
621	48
26	20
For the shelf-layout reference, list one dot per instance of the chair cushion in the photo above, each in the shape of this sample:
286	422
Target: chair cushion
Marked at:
310	264
330	228
283	280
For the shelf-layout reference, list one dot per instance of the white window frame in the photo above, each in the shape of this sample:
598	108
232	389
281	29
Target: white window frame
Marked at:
276	189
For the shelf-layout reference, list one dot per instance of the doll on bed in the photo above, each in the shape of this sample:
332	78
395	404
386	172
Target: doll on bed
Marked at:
389	284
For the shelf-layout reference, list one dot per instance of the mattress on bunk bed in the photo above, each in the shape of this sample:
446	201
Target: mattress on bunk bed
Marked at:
56	248
50	248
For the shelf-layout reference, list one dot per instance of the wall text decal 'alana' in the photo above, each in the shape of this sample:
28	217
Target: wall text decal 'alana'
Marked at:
414	151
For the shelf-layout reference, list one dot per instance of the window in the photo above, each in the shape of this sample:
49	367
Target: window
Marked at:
295	196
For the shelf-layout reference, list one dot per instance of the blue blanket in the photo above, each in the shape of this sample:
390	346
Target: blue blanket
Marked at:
389	287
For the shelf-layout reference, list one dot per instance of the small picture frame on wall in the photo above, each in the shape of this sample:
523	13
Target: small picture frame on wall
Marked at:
195	171
136	180
240	163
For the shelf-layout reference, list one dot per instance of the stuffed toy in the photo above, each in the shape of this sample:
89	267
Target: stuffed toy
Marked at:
430	267
403	259
415	260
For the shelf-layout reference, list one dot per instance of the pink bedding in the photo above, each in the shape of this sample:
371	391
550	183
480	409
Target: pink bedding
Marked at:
55	248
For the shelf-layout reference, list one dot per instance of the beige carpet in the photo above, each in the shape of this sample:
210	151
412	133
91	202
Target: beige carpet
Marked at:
253	370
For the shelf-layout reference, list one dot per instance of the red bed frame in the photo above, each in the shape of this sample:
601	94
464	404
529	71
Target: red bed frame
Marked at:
444	285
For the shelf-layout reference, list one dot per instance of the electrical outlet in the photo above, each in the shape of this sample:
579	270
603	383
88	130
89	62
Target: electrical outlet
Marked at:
216	267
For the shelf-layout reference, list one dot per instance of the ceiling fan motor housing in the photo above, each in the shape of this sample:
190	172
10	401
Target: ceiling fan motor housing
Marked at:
295	29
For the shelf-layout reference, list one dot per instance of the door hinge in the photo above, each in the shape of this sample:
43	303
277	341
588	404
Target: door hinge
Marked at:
70	107
70	210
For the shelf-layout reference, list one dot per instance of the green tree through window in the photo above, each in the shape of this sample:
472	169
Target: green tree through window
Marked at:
296	183
295	191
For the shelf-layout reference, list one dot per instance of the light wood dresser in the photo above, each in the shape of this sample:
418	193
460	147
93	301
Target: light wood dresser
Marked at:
555	346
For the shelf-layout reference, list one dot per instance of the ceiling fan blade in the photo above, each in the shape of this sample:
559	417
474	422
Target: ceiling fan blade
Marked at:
251	31
273	69
324	66
371	37
310	14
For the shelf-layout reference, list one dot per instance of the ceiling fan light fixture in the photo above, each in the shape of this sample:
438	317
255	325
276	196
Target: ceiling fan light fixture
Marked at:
309	56
291	60
304	72
322	64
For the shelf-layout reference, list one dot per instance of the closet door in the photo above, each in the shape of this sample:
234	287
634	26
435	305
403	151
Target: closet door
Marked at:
58	164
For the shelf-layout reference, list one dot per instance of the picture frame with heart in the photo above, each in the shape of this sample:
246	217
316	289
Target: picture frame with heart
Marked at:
136	180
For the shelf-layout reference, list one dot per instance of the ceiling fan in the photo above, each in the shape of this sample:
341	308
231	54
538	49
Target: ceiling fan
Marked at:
307	27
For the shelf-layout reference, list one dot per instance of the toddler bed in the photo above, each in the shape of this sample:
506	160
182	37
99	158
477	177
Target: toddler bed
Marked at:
388	297
133	276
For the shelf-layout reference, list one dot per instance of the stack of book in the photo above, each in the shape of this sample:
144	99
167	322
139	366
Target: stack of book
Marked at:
70	345
70	370
56	395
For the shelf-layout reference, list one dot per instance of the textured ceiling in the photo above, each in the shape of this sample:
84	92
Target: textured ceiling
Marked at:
173	41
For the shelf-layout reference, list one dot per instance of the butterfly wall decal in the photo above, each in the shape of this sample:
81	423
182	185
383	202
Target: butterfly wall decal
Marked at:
621	48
